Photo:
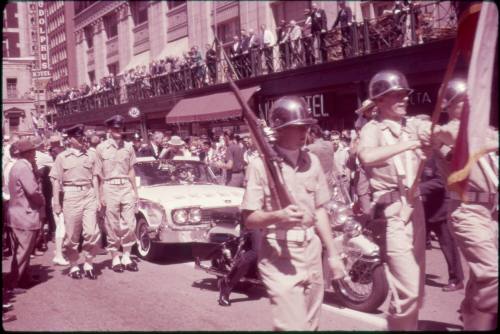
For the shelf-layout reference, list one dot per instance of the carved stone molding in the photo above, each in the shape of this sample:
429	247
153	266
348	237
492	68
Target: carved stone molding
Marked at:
123	12
95	11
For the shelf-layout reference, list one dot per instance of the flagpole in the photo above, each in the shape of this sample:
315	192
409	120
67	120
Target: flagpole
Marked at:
459	47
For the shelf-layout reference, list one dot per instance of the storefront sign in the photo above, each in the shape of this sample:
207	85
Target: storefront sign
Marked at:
315	102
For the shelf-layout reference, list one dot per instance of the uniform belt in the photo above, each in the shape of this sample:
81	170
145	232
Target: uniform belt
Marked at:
117	181
474	197
76	187
391	197
291	235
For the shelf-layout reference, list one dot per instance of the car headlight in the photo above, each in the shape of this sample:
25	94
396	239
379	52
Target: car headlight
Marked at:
180	216
352	228
194	215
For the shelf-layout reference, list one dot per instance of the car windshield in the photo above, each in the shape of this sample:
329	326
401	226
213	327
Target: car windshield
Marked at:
173	172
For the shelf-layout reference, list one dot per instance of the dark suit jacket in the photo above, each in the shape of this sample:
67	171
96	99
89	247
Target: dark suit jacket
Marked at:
244	44
433	191
318	20
211	57
343	17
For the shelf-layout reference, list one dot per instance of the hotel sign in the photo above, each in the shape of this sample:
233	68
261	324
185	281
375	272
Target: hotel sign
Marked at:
315	102
42	66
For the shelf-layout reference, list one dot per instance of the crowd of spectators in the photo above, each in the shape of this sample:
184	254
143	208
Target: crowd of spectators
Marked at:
251	53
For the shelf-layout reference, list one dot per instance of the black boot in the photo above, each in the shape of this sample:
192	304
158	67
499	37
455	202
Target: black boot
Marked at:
224	293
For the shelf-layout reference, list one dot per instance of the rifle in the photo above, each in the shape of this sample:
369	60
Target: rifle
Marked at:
280	196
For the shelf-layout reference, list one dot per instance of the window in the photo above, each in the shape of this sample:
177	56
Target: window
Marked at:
11	88
290	10
111	25
173	4
14	122
92	77
89	36
113	68
226	30
139	11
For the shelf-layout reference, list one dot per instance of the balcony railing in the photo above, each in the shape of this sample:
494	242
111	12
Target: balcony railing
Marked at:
371	36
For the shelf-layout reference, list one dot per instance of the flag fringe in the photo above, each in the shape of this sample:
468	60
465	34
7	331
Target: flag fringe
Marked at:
462	174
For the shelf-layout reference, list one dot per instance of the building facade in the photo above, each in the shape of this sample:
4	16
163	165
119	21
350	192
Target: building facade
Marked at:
116	36
18	95
62	48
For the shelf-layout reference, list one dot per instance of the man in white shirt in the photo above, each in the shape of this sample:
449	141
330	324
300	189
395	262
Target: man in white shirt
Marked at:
267	42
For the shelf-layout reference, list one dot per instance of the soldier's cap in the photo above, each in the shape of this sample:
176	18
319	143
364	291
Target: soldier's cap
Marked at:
76	131
25	145
37	142
116	122
366	106
176	141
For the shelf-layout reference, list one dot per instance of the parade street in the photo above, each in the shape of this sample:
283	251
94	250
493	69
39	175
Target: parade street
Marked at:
171	295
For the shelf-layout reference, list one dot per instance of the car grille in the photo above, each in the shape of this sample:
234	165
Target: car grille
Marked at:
221	215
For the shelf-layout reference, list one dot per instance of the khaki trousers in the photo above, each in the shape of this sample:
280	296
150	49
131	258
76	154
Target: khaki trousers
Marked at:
120	218
476	234
293	275
404	252
79	209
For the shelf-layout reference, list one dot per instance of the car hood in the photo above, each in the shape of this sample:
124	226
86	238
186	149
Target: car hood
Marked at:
205	196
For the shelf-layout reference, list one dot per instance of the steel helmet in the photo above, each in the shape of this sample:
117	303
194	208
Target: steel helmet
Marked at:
387	81
455	88
290	110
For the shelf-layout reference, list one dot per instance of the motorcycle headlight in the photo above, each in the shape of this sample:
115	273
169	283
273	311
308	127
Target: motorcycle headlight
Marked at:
180	216
352	228
194	215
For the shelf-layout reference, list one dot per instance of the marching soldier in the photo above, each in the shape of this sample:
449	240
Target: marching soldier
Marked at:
75	171
116	161
471	220
290	259
388	151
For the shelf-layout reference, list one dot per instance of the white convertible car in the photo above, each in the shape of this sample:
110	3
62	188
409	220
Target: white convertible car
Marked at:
179	202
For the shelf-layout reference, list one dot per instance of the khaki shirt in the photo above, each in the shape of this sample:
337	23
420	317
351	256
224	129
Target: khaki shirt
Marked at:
308	187
113	161
383	177
478	179
73	167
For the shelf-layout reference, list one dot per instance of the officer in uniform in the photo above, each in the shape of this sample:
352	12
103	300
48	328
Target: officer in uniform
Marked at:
471	219
75	172
388	151
116	160
290	256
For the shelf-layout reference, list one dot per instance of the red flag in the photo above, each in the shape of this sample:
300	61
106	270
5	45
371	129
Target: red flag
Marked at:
470	143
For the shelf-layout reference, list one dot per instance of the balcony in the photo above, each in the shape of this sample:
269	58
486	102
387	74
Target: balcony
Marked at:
359	40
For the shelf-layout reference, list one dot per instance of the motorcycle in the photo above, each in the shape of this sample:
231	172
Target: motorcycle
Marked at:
364	289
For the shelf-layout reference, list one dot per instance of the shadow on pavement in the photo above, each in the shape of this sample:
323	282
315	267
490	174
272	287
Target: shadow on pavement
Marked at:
332	300
429	325
206	284
173	254
429	280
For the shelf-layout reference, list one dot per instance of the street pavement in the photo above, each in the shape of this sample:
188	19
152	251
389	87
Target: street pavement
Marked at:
170	295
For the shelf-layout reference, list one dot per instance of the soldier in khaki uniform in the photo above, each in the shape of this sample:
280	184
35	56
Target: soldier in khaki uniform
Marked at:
116	161
290	257
388	152
471	221
76	173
